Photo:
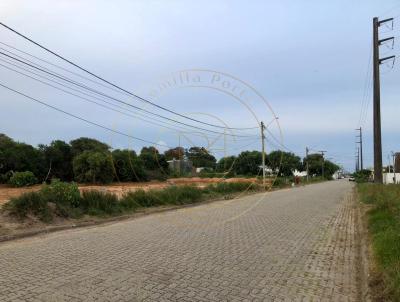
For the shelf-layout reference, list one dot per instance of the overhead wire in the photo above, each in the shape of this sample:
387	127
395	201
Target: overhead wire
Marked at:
115	99
115	85
80	118
133	113
365	90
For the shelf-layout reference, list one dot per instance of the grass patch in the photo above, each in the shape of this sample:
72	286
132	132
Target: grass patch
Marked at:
384	227
29	203
64	200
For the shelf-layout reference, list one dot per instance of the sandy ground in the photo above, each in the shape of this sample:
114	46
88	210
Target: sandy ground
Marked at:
7	192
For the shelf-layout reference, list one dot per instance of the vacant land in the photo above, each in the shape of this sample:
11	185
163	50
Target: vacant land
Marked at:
7	192
293	245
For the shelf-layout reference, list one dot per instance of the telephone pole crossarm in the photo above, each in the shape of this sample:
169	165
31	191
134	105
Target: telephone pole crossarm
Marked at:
384	21
386	58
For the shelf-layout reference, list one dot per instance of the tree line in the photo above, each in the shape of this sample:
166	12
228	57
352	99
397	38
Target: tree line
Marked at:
88	160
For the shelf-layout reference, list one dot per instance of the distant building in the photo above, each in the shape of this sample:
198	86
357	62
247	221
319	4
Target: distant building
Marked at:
391	178
268	171
180	165
299	173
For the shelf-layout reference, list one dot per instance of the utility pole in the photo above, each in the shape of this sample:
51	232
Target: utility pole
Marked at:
307	164
263	151
361	148
378	177
179	155
323	163
394	166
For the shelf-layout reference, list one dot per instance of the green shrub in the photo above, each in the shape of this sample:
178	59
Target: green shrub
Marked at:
362	176
29	203
64	195
173	195
146	199
178	195
4	178
233	187
280	182
22	179
96	202
129	201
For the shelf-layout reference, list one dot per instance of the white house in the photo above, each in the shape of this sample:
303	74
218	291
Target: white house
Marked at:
389	178
300	173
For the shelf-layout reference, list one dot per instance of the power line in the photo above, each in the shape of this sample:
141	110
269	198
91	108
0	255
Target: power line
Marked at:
115	99
366	84
55	65
134	114
114	85
81	118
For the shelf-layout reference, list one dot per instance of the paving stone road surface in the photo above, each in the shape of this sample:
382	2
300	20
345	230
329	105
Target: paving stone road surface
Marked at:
292	245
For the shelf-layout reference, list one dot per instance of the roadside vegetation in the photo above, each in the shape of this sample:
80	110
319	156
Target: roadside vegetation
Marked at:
87	160
61	199
384	228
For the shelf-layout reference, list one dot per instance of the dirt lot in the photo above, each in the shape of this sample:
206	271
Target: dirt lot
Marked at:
7	192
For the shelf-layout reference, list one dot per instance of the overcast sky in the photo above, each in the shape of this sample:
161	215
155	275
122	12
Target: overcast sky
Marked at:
308	59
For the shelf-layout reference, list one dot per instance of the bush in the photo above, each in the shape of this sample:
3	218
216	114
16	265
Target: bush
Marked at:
70	203
362	176
5	178
130	201
62	193
22	179
173	195
31	202
95	202
233	187
65	195
178	195
280	182
145	199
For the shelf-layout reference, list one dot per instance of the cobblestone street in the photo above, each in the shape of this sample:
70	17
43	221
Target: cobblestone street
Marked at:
296	244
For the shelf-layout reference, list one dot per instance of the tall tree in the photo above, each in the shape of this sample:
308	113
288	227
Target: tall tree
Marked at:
285	162
82	144
15	156
177	153
201	157
153	160
248	163
227	164
128	166
93	167
58	157
315	162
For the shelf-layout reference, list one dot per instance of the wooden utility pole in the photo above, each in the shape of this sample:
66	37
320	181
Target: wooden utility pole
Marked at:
323	163
378	177
307	164
361	166
263	151
394	167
